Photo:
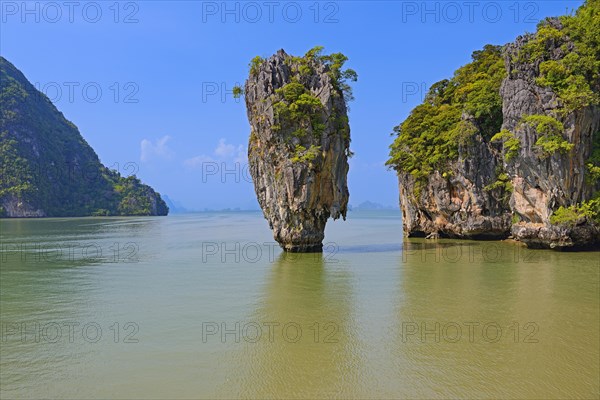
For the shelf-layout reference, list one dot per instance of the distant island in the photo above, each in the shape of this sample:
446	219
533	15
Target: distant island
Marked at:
47	169
510	145
174	206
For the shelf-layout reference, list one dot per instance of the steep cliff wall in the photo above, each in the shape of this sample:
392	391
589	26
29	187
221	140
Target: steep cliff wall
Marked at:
555	140
299	144
511	144
450	174
47	169
460	204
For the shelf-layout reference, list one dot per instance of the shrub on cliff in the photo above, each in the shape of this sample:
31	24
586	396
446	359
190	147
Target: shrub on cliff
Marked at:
428	139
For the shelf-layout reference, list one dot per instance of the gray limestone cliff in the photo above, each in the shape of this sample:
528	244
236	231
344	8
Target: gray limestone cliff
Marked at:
544	182
511	153
458	205
299	146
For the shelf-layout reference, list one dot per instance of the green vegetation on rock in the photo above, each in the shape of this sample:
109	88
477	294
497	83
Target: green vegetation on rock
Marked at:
255	64
502	181
299	114
238	92
303	155
429	138
296	107
572	215
46	165
335	62
511	144
575	74
593	162
550	131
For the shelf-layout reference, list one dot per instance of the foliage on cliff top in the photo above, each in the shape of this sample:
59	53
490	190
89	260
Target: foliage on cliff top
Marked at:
430	136
334	62
46	162
305	66
298	113
573	73
575	77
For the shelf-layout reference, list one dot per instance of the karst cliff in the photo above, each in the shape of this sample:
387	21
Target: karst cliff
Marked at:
47	169
510	145
299	143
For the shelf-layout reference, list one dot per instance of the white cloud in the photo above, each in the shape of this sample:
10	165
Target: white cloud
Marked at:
159	149
223	149
224	152
198	160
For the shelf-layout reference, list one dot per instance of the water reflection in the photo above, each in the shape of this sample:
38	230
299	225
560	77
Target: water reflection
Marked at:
369	292
58	242
469	327
309	294
54	277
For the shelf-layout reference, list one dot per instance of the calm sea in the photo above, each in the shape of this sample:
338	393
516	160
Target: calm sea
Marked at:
207	306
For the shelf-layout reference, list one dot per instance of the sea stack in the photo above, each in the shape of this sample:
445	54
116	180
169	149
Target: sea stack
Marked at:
299	143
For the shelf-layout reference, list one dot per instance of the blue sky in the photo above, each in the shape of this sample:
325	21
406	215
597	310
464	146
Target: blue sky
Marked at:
146	82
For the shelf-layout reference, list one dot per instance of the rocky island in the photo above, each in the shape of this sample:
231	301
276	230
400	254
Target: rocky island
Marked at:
510	145
47	169
299	143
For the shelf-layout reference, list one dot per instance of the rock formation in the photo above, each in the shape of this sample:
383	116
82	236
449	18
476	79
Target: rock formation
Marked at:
47	169
544	182
457	205
447	171
525	163
299	144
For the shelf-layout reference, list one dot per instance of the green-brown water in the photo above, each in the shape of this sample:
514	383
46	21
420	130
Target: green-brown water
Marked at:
205	306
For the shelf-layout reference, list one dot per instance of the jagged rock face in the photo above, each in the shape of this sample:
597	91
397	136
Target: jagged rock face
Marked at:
47	169
542	184
457	206
15	207
298	190
461	204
